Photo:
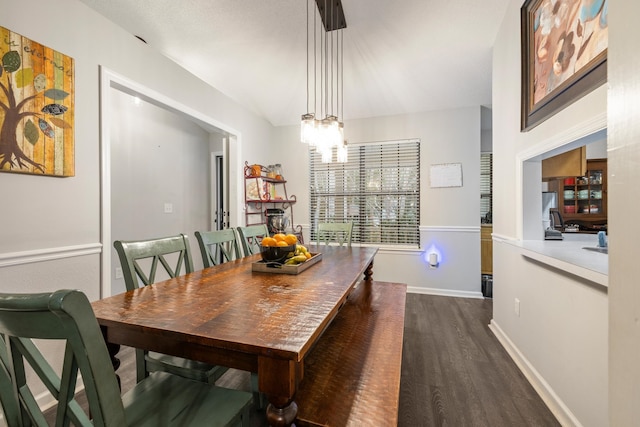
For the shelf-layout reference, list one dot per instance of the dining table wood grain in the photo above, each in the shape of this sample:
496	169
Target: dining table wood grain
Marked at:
233	316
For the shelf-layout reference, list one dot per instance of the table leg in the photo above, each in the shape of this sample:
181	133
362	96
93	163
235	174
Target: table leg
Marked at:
368	273
278	378
282	416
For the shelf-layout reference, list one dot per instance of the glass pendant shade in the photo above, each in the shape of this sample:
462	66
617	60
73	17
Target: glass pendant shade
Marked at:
323	140
333	131
315	134
307	128
342	153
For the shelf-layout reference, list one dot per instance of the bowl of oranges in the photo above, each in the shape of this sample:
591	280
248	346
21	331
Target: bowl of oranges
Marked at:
277	248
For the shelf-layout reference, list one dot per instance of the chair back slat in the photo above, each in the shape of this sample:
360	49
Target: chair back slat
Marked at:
8	397
62	315
131	253
251	236
335	232
218	246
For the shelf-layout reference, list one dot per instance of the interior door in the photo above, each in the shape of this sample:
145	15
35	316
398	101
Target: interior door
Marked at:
220	188
217	187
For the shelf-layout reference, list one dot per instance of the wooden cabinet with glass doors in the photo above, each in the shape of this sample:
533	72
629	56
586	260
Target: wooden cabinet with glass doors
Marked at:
583	199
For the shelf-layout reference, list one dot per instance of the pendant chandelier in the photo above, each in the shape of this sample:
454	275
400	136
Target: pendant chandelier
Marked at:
321	127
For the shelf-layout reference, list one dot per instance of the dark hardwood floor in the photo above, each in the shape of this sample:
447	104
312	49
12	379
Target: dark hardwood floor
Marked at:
454	371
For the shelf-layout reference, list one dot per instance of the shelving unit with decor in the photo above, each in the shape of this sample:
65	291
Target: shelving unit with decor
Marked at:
583	199
264	193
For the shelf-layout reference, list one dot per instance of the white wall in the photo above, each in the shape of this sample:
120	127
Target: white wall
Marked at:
597	150
157	158
624	205
449	217
560	337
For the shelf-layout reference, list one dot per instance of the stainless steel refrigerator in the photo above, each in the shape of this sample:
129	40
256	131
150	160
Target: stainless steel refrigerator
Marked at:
551	219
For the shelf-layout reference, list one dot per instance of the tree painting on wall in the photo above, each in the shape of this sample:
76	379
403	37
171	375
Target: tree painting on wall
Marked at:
36	108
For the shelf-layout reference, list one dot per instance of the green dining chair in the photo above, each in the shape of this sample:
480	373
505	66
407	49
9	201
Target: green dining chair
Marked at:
139	261
218	246
161	399
251	236
335	232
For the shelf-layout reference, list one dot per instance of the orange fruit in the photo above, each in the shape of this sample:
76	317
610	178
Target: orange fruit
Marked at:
281	243
279	237
268	241
291	239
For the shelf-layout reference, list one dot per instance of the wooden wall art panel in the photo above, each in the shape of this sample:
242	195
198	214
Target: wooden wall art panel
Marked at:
36	108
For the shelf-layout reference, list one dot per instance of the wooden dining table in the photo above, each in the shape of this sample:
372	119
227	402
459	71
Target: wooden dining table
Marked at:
233	316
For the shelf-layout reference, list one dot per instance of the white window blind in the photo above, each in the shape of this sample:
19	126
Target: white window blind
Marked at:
486	183
378	189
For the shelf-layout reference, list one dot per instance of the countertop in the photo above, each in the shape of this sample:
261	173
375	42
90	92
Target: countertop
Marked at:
568	255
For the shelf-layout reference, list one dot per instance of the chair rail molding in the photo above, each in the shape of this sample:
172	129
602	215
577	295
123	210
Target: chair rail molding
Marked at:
450	228
49	254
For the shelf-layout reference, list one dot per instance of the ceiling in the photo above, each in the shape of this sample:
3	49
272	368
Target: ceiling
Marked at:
400	57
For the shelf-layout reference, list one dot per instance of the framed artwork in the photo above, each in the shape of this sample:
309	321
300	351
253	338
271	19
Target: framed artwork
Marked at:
36	108
564	54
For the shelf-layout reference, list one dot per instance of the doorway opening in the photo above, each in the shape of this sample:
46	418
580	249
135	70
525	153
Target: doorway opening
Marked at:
111	84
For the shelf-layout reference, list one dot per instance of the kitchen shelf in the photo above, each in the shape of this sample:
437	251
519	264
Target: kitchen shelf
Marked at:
264	193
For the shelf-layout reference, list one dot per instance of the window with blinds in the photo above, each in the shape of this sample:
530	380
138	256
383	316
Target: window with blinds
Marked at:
486	184
378	189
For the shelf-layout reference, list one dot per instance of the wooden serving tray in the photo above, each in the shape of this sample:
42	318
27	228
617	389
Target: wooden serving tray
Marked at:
286	269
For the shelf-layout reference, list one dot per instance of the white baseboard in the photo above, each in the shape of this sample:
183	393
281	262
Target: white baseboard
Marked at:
444	292
551	399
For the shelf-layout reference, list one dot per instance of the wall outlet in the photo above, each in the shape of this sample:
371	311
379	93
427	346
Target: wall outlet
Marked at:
168	208
118	273
516	307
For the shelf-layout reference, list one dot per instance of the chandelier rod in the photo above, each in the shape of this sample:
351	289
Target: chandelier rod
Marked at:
341	68
326	70
308	109
332	66
315	66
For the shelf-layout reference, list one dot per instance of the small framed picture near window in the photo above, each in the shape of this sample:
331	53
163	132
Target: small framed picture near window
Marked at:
564	54
446	175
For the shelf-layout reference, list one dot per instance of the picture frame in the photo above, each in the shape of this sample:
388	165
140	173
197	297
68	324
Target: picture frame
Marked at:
564	55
